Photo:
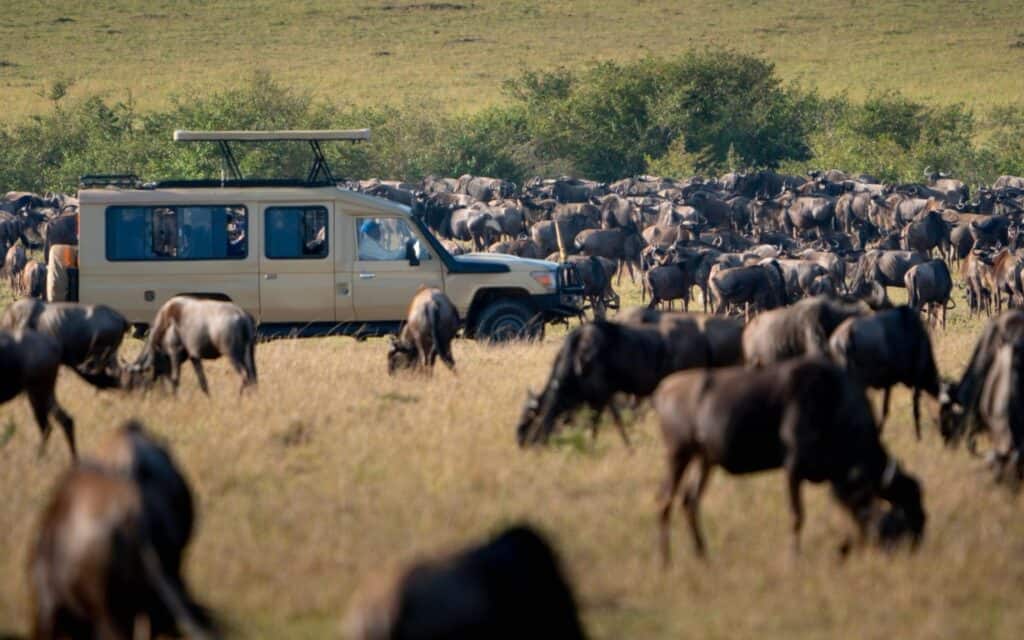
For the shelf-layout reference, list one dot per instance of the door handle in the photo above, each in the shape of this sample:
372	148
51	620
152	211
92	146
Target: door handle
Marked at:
367	276
270	276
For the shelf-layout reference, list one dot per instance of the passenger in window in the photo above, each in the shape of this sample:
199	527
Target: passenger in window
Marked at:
236	240
370	247
315	247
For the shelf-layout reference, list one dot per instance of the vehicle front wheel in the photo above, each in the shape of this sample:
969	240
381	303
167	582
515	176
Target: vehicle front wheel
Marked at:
508	319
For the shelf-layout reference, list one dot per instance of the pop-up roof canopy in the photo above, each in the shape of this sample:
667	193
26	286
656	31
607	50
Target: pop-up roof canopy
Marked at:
319	170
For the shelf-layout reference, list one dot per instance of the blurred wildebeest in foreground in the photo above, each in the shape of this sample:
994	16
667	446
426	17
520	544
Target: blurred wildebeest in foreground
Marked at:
509	588
431	323
196	329
805	415
108	553
89	335
29	362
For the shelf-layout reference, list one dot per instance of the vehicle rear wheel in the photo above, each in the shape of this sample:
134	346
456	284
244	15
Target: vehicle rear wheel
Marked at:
508	319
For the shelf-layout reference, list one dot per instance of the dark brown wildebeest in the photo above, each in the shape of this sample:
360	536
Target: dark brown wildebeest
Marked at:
800	329
30	362
959	402
33	280
623	244
108	553
430	325
1001	412
595	275
195	329
14	264
929	286
887	348
60	230
696	340
761	286
803	415
510	587
89	335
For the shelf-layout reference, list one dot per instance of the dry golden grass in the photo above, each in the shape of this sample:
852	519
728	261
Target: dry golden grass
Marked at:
333	469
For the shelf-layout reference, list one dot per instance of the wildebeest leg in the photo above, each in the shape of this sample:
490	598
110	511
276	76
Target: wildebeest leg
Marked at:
40	400
242	369
67	425
676	468
691	501
885	409
618	423
917	412
797	505
198	366
176	359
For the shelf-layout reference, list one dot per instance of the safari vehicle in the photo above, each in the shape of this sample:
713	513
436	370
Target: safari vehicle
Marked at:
304	257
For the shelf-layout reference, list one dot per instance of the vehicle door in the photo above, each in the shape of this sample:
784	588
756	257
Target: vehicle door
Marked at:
296	265
392	262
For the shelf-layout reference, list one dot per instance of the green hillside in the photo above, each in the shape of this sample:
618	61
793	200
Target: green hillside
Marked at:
373	51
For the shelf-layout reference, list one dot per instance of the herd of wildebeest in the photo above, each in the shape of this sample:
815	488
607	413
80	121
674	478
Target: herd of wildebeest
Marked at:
793	269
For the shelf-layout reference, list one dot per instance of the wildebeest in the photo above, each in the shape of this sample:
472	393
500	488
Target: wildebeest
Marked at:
109	548
60	230
799	329
1001	412
33	279
14	264
887	348
430	325
30	362
929	286
804	415
196	329
89	335
926	232
597	360
958	403
510	587
595	275
622	244
695	340
762	286
885	267
669	282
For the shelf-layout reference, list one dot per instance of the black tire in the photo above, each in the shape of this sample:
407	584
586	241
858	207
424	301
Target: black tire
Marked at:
508	319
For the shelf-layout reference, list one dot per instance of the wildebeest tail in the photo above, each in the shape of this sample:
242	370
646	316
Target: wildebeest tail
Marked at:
443	348
250	348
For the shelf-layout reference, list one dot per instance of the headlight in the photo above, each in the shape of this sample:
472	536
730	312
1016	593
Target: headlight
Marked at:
545	279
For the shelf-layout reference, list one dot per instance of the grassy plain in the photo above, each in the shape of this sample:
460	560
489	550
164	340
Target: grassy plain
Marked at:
459	52
333	470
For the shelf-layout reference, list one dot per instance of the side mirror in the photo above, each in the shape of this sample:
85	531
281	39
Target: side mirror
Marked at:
410	252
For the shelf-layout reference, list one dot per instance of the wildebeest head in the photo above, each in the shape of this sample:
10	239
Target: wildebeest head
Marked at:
525	431
903	492
951	413
401	355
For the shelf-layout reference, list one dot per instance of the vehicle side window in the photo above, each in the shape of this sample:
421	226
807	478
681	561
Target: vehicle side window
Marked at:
295	233
387	239
216	232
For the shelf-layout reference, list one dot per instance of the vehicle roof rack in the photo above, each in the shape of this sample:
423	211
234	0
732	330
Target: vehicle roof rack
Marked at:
102	180
319	170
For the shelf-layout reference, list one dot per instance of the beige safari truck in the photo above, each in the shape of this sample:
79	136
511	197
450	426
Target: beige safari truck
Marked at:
304	257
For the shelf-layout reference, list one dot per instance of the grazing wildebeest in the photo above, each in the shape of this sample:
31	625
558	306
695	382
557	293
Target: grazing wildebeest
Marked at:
800	329
1001	412
887	348
804	415
430	324
596	361
89	335
596	276
195	329
929	286
510	587
29	362
109	548
958	402
623	244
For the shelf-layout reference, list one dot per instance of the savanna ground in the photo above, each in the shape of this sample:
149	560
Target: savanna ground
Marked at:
333	470
458	53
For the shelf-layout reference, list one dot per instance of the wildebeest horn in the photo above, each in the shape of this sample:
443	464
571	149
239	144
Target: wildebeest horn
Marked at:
834	243
889	474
